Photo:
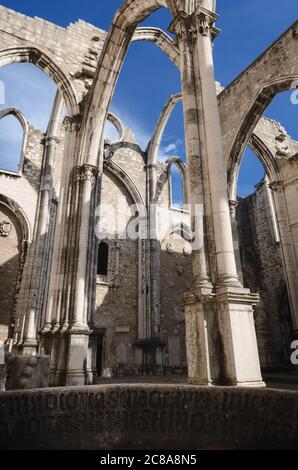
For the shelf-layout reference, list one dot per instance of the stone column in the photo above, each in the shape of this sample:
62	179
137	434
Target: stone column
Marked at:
79	330
235	232
221	337
193	143
41	255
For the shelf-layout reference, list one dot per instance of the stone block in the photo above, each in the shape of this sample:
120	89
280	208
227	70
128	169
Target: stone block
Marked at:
27	372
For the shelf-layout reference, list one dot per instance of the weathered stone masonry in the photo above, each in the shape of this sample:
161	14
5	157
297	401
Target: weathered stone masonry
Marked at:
133	317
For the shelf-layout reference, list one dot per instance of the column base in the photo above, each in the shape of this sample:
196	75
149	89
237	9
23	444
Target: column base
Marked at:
197	345
199	382
77	372
29	347
240	361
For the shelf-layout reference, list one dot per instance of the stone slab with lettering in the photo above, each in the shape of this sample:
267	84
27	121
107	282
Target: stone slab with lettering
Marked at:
149	417
27	372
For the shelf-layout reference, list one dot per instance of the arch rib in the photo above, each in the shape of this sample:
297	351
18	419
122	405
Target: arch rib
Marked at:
161	40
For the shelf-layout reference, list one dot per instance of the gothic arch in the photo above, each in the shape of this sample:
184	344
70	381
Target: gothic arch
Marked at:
125	22
164	178
251	118
118	125
20	216
183	172
251	92
18	225
24	123
44	62
160	128
129	185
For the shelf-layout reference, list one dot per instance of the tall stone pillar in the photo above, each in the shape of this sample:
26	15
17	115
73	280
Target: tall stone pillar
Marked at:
221	340
79	332
33	318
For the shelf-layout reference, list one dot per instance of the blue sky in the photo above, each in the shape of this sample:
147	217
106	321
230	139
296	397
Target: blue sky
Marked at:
148	78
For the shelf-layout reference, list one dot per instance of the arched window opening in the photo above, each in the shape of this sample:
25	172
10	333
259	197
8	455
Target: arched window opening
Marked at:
140	93
176	187
111	134
173	140
11	144
103	259
251	173
30	90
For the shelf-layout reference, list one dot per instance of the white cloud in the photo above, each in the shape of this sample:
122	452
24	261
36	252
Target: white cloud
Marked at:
170	148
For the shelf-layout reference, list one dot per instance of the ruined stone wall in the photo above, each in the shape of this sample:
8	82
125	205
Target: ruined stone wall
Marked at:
74	49
10	255
176	277
117	294
263	273
23	191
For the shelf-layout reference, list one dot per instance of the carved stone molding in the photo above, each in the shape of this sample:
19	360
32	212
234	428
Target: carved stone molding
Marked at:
282	146
72	123
180	26
276	185
187	250
170	248
233	207
180	269
50	140
200	22
5	228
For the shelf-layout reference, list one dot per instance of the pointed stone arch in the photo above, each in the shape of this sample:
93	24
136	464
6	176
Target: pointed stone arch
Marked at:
24	123
44	62
243	102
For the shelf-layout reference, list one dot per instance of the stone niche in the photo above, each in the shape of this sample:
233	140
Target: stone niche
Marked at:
149	417
27	372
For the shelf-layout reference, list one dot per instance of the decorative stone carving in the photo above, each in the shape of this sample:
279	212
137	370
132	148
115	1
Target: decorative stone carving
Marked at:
86	173
180	269
27	372
72	123
281	145
50	140
5	228
170	248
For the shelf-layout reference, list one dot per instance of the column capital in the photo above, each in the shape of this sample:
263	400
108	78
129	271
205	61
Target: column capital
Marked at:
201	21
50	140
180	25
86	172
72	123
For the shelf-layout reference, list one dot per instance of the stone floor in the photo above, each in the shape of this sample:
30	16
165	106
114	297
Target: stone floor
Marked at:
277	380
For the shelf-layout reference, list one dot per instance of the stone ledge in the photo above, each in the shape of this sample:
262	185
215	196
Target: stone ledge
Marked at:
149	417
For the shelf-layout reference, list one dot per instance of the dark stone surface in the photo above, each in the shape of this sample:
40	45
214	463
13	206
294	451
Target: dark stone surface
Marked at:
27	372
149	417
2	377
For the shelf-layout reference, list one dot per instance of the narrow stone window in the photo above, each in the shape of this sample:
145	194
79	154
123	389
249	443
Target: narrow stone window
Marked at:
176	187
11	144
103	259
